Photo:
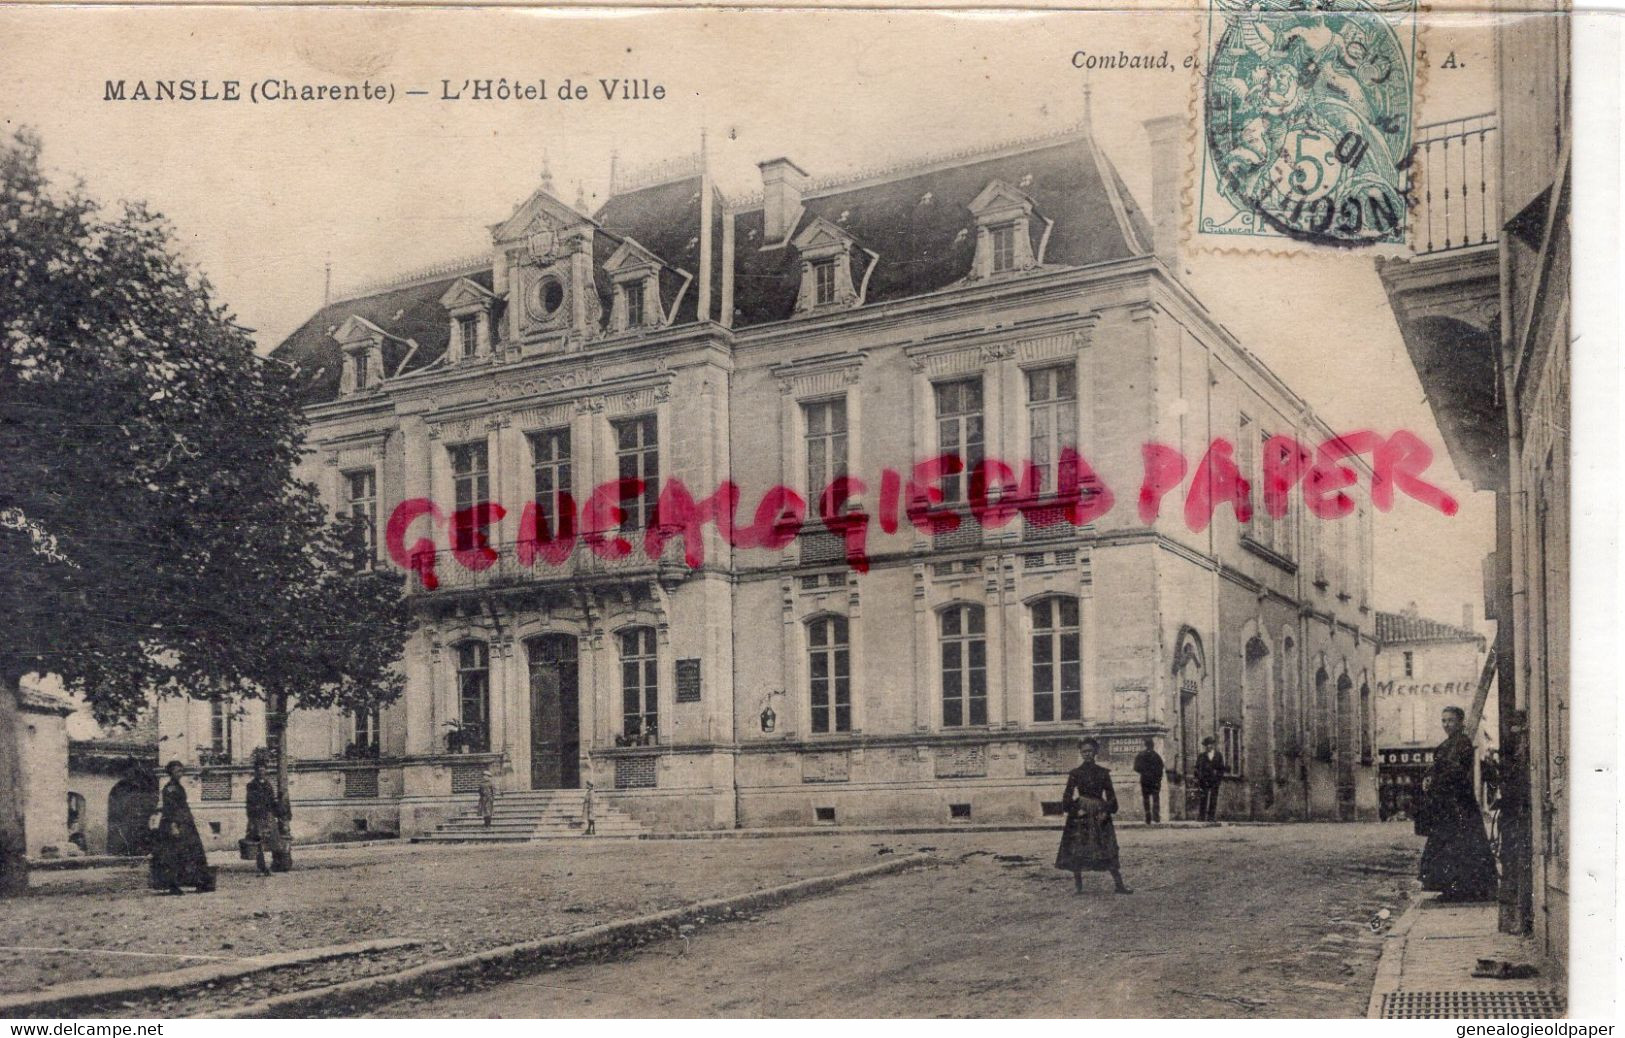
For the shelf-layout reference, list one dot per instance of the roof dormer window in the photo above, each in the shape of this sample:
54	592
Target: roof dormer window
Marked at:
1006	221
636	274
828	277
468	303
363	346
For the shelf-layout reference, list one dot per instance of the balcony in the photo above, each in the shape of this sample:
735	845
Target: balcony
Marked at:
1446	296
1451	179
582	566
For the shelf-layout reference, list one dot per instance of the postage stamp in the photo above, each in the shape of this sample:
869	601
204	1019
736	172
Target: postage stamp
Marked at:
1306	121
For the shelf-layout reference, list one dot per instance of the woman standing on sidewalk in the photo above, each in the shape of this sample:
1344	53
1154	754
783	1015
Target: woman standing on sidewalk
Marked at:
1089	841
177	853
1457	860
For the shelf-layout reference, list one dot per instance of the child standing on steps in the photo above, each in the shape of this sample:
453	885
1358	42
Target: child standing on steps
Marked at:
586	810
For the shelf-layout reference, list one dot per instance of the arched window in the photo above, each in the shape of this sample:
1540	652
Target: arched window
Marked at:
964	665
474	695
640	700
1365	723
1057	674
829	672
1321	726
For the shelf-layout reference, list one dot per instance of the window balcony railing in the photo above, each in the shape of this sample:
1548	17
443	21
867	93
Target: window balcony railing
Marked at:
1453	186
508	569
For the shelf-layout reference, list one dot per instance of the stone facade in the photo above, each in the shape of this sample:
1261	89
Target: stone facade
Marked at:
999	305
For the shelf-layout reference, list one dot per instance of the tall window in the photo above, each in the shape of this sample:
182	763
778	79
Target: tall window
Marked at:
963	631
826	443
959	430
471	485
830	673
1004	247
364	733
823	282
1052	419
361	503
468	335
1231	747
550	453
474	694
640	703
1410	664
634	304
1057	672
220	728
637	456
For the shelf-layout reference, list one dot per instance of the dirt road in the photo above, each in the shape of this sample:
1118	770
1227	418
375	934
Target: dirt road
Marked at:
1232	921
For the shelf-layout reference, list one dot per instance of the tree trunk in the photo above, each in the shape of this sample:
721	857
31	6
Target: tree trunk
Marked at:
13	841
276	727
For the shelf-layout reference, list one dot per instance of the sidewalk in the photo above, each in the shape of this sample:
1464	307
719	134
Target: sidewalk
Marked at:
1426	971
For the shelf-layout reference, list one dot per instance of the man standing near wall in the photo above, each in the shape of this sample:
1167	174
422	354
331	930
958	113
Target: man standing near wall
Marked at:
1149	766
1210	768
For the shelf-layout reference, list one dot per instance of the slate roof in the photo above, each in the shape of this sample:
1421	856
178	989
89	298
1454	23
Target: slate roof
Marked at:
1393	628
917	220
412	312
920	225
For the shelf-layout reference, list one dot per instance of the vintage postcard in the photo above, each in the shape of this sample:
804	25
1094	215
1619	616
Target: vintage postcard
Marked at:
730	513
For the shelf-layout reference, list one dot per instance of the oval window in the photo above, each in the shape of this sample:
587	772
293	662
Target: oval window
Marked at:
547	295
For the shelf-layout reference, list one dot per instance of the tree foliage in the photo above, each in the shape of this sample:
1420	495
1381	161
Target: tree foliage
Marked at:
153	534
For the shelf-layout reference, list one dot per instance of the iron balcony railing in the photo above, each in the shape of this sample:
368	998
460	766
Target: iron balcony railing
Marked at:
451	573
1453	186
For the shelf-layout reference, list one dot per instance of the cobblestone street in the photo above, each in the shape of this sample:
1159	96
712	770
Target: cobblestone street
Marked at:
1234	921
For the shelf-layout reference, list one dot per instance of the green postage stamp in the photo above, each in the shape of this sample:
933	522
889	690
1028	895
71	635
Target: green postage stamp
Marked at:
1306	121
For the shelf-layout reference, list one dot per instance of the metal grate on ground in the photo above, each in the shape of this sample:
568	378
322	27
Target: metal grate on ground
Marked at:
1471	1005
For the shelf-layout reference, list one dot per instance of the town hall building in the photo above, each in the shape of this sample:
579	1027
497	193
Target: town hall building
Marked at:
543	442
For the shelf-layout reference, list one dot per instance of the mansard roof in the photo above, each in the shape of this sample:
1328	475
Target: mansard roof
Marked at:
922	226
410	312
918	220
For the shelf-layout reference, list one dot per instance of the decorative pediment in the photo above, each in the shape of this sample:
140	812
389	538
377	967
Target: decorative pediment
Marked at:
632	258
822	238
466	293
999	200
539	221
358	331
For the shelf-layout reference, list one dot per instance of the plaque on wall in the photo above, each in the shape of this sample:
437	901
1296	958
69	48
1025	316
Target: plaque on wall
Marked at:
688	680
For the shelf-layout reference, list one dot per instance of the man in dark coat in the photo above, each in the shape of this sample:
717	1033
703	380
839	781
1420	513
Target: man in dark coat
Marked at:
1149	766
265	814
1457	860
1210	768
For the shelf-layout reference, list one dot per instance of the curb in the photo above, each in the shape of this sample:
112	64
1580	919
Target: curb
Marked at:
83	996
1391	966
517	960
924	830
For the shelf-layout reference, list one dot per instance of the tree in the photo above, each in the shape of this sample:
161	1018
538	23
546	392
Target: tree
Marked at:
153	534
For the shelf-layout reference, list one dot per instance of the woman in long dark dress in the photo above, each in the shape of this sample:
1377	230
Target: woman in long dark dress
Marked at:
1457	860
177	852
1089	841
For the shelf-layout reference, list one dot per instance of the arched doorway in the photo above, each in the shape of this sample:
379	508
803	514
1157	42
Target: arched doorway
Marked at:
1347	748
555	712
1255	671
131	801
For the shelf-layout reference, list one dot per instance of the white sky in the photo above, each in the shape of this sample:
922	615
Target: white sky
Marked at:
264	195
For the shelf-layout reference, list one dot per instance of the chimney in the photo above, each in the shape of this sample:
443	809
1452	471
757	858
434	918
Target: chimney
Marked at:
1167	176
782	181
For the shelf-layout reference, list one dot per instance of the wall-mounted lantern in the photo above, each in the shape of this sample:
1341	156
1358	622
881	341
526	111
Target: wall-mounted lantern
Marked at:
769	719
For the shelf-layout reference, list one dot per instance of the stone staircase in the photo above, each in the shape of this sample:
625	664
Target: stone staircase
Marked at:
536	814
